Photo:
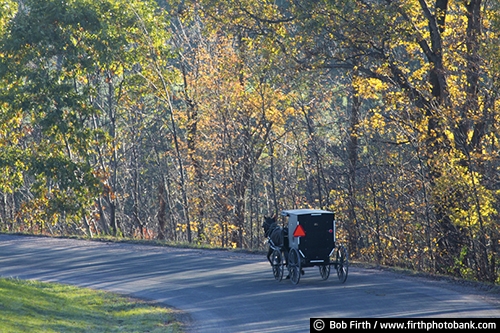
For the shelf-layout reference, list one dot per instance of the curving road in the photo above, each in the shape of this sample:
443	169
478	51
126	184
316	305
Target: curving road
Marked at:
231	292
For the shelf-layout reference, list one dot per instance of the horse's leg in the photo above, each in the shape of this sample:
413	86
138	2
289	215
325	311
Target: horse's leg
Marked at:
286	250
269	255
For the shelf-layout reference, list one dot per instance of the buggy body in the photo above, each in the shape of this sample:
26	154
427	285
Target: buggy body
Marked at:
312	233
312	242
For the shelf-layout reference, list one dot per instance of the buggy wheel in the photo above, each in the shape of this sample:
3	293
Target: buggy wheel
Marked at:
277	264
324	271
342	263
294	266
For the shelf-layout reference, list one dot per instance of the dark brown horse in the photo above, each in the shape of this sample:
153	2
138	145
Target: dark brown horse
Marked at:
275	234
279	238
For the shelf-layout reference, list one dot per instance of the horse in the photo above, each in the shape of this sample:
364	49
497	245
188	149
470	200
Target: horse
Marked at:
275	234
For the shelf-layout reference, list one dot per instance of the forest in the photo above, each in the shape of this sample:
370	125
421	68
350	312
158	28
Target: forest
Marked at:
189	121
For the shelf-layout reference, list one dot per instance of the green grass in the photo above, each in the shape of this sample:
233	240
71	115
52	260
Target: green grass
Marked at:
30	306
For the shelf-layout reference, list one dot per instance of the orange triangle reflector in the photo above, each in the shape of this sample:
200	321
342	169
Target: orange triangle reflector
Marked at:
299	232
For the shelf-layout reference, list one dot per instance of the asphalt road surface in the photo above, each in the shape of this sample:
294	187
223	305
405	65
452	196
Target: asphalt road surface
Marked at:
231	292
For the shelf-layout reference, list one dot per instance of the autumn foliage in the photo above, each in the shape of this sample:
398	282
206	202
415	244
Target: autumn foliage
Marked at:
190	120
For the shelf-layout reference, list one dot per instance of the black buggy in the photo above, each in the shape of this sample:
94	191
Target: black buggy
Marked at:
307	241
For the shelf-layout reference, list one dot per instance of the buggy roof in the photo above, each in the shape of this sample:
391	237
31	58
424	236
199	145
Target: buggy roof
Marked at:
304	212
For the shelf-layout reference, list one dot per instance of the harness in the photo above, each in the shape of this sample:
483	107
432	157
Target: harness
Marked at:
274	229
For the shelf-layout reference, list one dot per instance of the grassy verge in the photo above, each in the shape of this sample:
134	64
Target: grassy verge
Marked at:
30	306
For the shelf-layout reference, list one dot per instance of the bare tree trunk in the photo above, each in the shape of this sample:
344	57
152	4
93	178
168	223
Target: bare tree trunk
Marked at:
3	217
317	160
273	185
136	198
352	151
87	226
102	217
182	178
191	136
162	203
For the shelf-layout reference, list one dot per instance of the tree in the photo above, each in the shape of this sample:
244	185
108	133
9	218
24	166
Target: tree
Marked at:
66	79
41	68
11	168
407	52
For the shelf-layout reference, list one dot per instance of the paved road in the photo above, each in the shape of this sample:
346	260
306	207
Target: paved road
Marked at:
234	292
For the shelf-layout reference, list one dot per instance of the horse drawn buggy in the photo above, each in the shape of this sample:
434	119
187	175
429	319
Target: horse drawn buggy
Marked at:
306	240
